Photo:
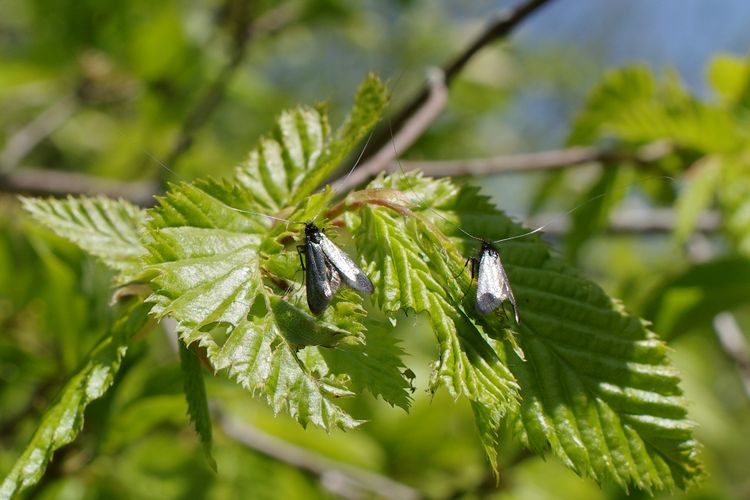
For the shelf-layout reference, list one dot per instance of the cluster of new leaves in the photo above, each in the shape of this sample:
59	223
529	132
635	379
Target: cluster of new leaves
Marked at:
706	139
659	128
631	109
578	377
230	275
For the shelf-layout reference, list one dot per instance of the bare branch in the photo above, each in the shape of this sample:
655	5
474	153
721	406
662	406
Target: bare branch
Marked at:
497	29
735	346
47	182
630	221
406	136
340	479
544	160
24	140
529	161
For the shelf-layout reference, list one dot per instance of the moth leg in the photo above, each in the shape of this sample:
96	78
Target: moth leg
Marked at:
300	251
470	259
505	312
474	268
473	264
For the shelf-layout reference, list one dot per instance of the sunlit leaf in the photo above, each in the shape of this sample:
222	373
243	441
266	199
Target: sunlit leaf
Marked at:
230	275
105	228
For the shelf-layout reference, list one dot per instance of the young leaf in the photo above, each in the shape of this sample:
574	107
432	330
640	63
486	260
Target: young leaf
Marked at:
596	387
215	274
633	107
195	394
301	152
64	419
729	76
410	271
369	103
105	228
230	279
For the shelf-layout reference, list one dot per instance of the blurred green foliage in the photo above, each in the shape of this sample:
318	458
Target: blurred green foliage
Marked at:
122	77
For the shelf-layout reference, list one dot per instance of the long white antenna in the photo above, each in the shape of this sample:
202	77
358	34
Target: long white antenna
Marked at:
250	212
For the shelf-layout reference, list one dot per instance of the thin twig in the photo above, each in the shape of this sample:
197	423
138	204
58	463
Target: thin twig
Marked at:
412	129
341	479
47	182
497	29
735	346
26	139
267	24
543	160
630	221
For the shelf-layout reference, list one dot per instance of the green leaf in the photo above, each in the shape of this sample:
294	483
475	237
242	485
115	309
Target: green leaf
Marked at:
301	152
107	229
734	202
64	419
230	275
488	426
691	298
216	274
409	269
729	75
375	366
369	103
596	387
197	401
703	180
632	106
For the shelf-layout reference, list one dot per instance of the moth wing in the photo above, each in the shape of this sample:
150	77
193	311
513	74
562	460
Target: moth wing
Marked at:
507	290
320	282
492	284
350	273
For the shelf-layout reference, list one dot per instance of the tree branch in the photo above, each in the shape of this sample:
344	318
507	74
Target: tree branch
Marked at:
47	182
640	221
499	28
412	129
340	479
544	160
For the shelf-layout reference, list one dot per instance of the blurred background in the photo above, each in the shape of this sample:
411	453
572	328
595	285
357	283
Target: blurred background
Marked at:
96	94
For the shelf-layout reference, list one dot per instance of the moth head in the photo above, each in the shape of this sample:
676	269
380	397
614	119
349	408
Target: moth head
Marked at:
312	232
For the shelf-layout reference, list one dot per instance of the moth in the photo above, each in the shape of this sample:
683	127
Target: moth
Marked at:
326	266
493	286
